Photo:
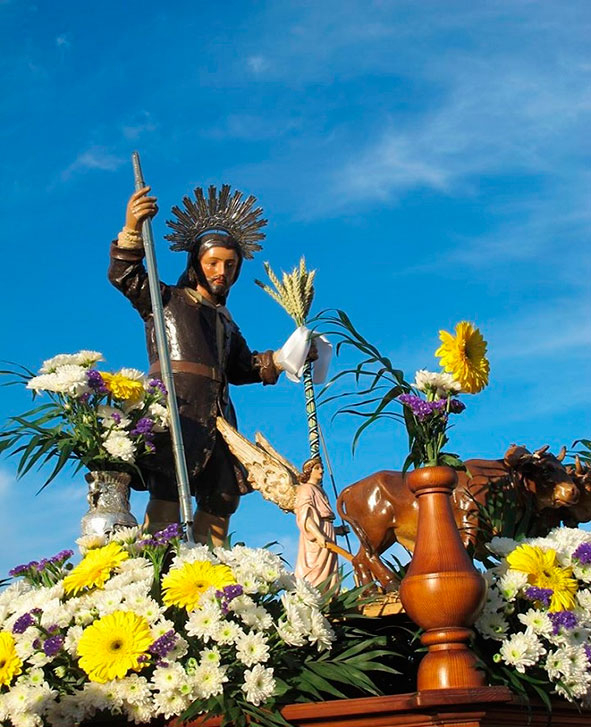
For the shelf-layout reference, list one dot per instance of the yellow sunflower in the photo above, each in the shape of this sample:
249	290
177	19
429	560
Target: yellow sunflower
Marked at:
543	571
464	357
10	664
113	645
123	387
95	569
184	586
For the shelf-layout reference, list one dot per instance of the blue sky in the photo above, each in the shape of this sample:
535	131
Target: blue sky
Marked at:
430	159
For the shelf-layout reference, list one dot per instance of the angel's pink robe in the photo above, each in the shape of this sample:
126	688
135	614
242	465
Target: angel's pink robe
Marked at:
314	563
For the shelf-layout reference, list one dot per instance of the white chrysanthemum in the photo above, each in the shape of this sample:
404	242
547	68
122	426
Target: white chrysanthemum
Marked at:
161	627
494	601
180	649
307	593
160	416
72	638
190	552
257	618
107	601
89	542
259	684
439	382
69	379
120	446
583	597
321	632
135	689
522	650
502	546
125	536
82	358
291	636
537	622
252	649
242	603
204	623
23	643
133	374
565	541
136	572
112	418
211	656
168	678
144	606
511	583
576	636
171	704
228	632
582	571
209	680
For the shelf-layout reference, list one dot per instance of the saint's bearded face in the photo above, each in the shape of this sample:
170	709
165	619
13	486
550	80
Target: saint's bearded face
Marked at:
219	266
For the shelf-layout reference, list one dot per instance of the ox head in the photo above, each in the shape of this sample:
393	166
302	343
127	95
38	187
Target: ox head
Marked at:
581	475
544	476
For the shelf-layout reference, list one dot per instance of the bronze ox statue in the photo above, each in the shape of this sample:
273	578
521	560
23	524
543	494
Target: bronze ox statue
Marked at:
382	510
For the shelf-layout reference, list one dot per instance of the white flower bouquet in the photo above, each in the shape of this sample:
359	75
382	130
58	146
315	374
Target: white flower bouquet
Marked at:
539	608
223	632
100	420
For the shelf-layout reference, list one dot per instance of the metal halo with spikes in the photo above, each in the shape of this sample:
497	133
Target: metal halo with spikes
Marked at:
226	212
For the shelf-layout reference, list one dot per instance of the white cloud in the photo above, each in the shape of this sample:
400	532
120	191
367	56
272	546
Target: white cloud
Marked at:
257	64
62	41
7	482
96	157
143	124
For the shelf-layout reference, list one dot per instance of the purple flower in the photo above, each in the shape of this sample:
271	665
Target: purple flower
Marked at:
156	385
20	569
53	644
116	417
164	644
233	591
543	595
143	426
84	398
22	623
150	448
587	649
583	553
420	408
562	620
61	557
170	532
95	381
456	406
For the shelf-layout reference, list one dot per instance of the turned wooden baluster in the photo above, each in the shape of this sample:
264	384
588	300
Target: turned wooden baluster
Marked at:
442	592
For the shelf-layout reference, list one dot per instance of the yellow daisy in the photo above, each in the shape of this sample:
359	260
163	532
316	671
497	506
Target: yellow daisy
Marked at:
95	569
184	586
113	645
464	356
543	571
10	664
123	387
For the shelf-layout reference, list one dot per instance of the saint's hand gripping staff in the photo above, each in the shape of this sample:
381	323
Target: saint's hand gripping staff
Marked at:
186	507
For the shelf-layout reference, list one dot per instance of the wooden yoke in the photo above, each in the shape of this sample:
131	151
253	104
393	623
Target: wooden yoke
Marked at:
442	592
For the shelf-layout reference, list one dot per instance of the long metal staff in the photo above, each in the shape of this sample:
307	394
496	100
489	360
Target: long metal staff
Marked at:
182	476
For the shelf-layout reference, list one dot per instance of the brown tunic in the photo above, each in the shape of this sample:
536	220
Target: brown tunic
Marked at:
208	352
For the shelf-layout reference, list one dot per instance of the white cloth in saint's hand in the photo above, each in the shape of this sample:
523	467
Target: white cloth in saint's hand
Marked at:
294	352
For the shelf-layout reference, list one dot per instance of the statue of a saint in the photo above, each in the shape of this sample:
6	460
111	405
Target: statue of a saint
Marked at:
207	349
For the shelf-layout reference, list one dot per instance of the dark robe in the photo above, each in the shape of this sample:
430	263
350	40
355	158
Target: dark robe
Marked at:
208	352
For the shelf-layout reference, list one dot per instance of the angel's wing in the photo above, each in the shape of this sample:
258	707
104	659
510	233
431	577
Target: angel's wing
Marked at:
272	476
264	444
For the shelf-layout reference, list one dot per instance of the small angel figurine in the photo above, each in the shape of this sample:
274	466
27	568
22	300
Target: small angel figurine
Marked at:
299	492
314	517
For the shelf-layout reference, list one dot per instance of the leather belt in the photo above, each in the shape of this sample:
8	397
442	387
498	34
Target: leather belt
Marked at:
188	367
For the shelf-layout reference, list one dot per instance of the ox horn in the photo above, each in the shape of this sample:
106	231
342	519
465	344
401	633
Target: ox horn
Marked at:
539	452
578	466
562	454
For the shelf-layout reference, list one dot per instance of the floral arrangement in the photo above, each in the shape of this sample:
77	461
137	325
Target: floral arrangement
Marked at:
101	420
147	626
539	608
428	403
